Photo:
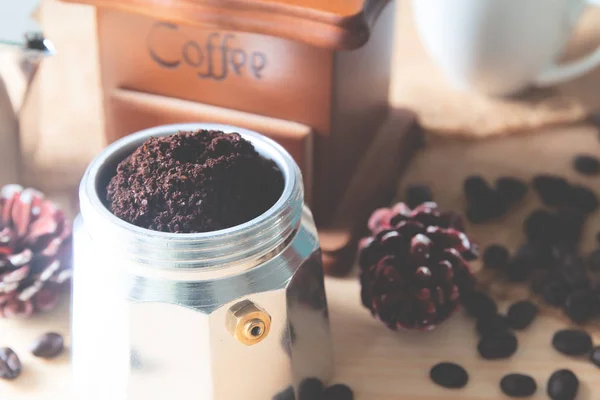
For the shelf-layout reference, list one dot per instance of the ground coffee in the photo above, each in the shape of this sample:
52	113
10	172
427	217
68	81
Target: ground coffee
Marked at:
194	182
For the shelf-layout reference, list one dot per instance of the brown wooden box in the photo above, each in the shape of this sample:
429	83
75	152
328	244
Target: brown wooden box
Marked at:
322	65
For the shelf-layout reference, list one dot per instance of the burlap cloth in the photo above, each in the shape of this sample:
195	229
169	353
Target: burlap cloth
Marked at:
419	84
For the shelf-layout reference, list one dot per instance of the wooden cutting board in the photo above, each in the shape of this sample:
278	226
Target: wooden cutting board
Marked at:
383	365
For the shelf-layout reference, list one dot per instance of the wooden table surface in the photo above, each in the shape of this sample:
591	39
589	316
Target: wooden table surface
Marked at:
384	365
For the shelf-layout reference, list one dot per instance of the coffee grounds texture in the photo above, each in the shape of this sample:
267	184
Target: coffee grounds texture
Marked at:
193	182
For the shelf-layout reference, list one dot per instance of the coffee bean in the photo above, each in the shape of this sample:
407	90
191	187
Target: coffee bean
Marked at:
512	190
449	375
553	190
311	388
595	356
570	226
497	345
495	256
48	345
555	293
338	392
572	271
581	306
491	324
417	194
10	365
539	280
521	314
477	189
563	385
478	304
286	394
572	342
586	164
519	269
542	227
484	203
583	199
594	261
518	385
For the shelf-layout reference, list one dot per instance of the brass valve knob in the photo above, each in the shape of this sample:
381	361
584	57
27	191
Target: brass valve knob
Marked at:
248	322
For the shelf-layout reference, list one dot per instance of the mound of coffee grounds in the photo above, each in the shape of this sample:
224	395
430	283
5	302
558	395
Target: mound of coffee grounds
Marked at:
193	182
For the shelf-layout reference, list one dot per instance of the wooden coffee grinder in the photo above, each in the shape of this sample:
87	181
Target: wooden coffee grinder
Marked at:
311	74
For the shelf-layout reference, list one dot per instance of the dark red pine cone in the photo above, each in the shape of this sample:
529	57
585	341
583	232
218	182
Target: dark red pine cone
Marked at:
412	267
35	252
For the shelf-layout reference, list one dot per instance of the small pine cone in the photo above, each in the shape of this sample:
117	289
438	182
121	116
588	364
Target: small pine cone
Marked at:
35	252
412	267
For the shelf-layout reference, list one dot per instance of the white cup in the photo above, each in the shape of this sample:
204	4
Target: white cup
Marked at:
499	47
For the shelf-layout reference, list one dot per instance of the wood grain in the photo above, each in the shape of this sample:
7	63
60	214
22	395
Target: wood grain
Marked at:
383	365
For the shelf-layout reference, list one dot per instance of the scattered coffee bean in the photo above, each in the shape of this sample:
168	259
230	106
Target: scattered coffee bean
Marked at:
518	385
586	164
594	261
491	324
563	385
10	365
477	189
555	293
583	199
286	394
572	342
570	226
497	346
310	388
553	190
48	345
495	256
483	202
512	190
581	305
572	270
519	269
539	280
479	305
449	375
521	314
595	356
338	392
417	194
542	227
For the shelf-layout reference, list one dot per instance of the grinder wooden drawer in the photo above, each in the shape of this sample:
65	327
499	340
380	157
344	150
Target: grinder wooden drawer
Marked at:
130	111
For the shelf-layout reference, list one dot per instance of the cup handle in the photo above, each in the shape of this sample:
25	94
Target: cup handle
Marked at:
558	73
